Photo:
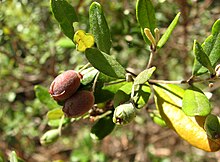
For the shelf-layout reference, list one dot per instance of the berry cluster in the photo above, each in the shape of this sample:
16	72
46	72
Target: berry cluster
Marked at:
65	88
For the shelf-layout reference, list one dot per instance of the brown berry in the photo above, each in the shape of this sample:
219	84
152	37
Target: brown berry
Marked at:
78	104
64	85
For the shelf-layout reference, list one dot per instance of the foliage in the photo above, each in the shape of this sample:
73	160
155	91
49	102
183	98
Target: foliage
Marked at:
34	50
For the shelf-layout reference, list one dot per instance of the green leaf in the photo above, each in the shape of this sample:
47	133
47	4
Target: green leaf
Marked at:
65	43
155	116
43	95
55	114
88	75
123	94
168	32
212	126
56	122
168	97
211	48
105	63
144	76
216	27
65	15
49	137
142	96
145	16
195	102
202	58
99	27
104	93
102	128
14	158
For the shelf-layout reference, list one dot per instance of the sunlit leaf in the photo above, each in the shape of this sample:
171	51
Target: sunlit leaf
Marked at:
168	32
195	102
55	114
123	94
211	48
56	122
142	95
99	27
168	101
43	95
202	58
144	76
83	40
170	93
157	119
65	43
14	158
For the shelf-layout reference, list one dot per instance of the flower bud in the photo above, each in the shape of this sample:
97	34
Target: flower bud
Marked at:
49	137
124	114
217	70
64	85
78	104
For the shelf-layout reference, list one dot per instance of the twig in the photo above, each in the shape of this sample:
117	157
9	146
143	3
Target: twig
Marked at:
152	53
84	67
152	81
60	125
189	81
95	81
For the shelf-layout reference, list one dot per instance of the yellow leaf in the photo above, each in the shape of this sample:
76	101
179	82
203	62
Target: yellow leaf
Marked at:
168	100
83	40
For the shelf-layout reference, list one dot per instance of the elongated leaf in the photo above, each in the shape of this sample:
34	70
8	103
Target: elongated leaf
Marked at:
202	58
212	126
144	76
211	48
170	93
105	93
14	158
102	128
168	32
195	102
56	122
55	114
65	43
146	16
43	95
99	27
105	63
123	94
216	27
65	15
141	95
155	116
188	128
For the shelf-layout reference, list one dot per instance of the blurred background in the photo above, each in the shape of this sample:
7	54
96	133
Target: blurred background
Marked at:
33	50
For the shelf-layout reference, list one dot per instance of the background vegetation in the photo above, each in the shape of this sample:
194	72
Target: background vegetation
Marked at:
33	50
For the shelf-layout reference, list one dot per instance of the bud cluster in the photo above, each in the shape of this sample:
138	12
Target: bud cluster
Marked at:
65	88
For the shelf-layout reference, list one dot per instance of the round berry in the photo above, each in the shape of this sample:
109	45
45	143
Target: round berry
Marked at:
64	85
